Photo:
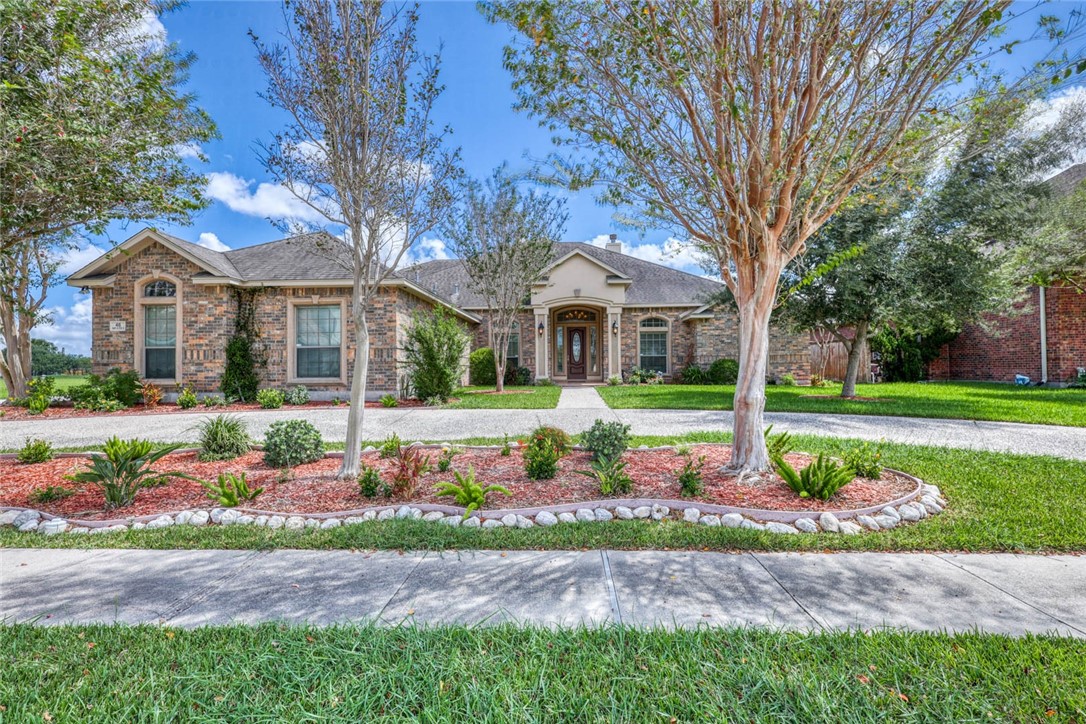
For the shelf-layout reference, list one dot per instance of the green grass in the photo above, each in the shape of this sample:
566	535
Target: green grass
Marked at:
998	502
523	398
62	382
506	673
958	400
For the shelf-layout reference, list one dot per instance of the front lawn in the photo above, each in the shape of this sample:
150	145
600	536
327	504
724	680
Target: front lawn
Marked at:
998	502
513	398
505	673
957	400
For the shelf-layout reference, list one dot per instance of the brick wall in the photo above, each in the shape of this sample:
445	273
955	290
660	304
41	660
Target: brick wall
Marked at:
789	352
528	336
1010	344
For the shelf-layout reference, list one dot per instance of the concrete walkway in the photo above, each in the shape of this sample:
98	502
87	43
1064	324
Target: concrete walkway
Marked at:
1009	594
581	398
422	423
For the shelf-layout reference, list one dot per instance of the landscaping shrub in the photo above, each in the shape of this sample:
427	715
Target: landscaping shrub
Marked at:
545	382
693	375
35	451
411	465
50	493
223	437
468	492
723	372
610	475
559	438
292	442
297	395
638	376
116	391
819	480
389	401
787	380
187	399
445	461
270	399
230	490
690	477
215	401
543	452
606	440
390	448
864	460
778	445
433	354
151	393
124	469
481	367
520	376
39	394
369	482
614	381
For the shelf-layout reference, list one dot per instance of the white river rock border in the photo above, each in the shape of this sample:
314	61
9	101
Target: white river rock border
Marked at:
925	501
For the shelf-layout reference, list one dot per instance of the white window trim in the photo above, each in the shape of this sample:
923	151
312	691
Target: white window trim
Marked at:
667	340
141	303
292	340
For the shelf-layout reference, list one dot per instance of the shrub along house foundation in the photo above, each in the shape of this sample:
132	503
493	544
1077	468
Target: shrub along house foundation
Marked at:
167	307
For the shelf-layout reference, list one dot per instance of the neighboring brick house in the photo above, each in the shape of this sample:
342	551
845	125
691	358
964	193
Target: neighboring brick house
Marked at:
167	307
1042	337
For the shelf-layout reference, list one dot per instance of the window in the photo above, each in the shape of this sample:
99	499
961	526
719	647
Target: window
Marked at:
318	332
593	357
512	349
160	288
160	341
560	350
652	345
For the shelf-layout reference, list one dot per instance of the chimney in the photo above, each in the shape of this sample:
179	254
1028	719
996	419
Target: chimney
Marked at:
614	244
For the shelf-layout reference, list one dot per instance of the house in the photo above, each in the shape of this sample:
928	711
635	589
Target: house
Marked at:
167	307
1042	337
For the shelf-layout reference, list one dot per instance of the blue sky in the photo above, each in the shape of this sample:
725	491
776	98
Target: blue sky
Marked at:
477	104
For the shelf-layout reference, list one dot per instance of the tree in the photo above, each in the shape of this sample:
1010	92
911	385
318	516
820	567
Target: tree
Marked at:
1056	253
505	238
93	119
47	359
745	124
433	352
360	149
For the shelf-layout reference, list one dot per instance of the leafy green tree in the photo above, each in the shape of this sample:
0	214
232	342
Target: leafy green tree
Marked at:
1056	253
49	360
505	238
433	354
746	125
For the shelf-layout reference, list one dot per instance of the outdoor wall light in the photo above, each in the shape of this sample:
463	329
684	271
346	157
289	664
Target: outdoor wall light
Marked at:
540	328
614	327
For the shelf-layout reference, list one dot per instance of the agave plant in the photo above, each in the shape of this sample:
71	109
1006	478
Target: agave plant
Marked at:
468	492
124	468
610	474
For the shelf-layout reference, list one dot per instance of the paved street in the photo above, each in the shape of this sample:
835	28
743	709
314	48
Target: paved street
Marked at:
421	423
1011	594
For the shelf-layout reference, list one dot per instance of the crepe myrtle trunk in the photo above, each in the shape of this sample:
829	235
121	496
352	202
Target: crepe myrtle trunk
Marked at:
352	453
501	347
16	364
855	349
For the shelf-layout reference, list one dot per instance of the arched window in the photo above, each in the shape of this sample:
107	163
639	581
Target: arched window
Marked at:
653	344
157	317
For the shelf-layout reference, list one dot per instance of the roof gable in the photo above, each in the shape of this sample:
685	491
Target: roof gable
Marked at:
213	262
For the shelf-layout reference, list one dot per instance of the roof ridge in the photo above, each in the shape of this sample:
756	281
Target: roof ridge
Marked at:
639	260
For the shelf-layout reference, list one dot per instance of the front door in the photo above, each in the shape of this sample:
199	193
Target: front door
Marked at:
576	352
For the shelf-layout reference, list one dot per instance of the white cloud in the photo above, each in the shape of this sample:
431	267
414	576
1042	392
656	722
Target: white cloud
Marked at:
77	258
209	240
1046	112
674	253
426	250
189	150
71	327
267	201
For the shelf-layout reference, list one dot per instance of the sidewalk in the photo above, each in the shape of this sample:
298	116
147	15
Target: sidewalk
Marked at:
421	423
999	593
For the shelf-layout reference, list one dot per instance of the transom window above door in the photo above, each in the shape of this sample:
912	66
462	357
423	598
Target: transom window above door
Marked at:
576	315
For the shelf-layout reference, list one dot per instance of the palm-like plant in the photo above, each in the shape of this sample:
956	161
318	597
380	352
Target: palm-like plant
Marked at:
468	492
124	469
610	474
821	479
231	490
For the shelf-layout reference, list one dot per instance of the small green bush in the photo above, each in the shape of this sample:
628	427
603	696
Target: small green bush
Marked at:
445	461
411	465
231	490
610	475
518	376
50	493
35	451
481	367
125	468
691	482
864	460
187	399
542	454
693	375
39	394
559	438
433	353
223	437
292	442
215	401
787	380
297	395
606	440
469	493
820	480
723	372
369	482
778	445
390	448
614	381
270	399
389	401
545	382
116	391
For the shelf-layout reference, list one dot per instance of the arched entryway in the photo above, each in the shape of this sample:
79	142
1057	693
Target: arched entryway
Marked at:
577	344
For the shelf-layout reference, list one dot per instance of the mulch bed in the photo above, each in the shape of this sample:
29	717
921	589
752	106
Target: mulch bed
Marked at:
65	410
314	489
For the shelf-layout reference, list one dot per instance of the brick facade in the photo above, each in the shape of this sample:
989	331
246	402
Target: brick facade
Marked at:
528	336
1007	345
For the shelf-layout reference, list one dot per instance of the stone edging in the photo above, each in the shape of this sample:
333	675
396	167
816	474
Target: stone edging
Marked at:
923	501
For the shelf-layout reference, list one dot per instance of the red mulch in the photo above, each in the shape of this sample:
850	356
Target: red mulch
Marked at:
65	410
314	488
